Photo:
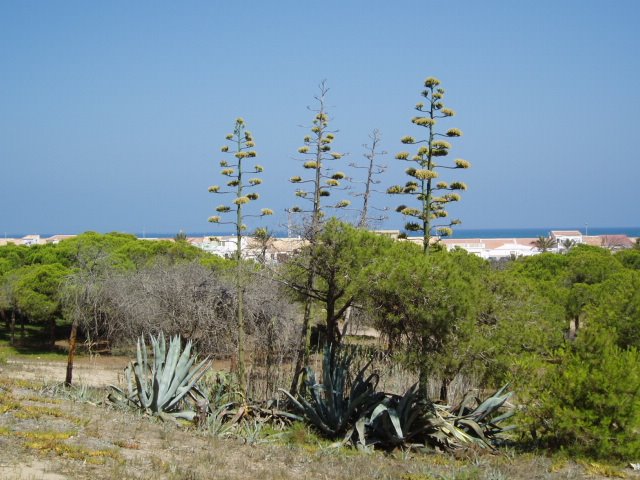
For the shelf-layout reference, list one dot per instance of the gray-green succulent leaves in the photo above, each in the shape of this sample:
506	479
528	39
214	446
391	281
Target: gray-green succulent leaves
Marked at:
163	384
334	405
482	421
411	420
397	420
351	408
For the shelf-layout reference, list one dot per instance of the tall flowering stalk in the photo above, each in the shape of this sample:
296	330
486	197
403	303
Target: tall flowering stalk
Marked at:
241	147
373	169
316	156
432	194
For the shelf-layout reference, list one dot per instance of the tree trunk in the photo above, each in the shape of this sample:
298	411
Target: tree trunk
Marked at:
423	374
332	325
423	382
52	332
13	327
270	358
73	338
444	389
303	347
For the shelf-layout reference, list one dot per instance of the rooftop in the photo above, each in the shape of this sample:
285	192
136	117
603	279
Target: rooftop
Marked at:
566	233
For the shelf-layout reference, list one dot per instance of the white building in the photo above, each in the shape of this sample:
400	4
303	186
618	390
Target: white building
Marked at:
494	248
55	239
31	240
223	246
562	237
275	251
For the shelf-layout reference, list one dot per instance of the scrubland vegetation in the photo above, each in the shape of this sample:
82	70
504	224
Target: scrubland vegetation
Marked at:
560	329
470	369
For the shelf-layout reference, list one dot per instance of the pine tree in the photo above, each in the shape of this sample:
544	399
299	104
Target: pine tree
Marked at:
432	195
241	147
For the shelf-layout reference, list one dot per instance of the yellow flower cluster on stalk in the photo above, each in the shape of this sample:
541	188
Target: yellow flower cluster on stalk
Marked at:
240	148
316	153
241	180
432	197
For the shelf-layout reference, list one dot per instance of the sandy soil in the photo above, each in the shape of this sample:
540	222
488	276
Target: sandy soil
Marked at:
93	372
51	435
36	470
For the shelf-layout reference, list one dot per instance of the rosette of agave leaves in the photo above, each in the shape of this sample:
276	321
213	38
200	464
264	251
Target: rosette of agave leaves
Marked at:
348	407
164	383
335	405
410	420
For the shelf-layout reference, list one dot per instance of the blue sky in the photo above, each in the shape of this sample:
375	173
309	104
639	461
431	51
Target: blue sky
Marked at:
112	113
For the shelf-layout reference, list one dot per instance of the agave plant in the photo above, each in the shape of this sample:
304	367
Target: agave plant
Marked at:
410	420
482	422
335	405
375	419
163	385
397	420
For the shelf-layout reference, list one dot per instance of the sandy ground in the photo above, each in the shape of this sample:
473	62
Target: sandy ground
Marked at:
93	372
50	436
36	470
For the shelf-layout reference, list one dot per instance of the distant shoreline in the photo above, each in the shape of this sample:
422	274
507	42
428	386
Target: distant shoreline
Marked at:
537	232
464	232
460	233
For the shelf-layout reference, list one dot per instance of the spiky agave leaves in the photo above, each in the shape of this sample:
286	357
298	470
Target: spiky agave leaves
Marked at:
410	420
483	421
464	426
368	418
335	405
398	420
163	384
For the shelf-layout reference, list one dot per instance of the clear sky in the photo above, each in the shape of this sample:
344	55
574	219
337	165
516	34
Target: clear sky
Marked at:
112	113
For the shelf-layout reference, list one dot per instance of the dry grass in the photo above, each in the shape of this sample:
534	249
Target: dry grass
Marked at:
62	438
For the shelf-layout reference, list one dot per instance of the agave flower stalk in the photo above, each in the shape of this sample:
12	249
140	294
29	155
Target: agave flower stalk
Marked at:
373	169
242	180
433	195
316	155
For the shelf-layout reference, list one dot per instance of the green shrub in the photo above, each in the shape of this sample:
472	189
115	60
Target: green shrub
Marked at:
591	403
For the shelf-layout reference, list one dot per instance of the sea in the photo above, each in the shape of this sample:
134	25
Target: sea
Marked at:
457	233
538	232
465	232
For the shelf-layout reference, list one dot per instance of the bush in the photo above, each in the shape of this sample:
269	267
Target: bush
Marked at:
591	403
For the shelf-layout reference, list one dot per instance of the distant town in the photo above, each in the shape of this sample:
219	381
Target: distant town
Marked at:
275	250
